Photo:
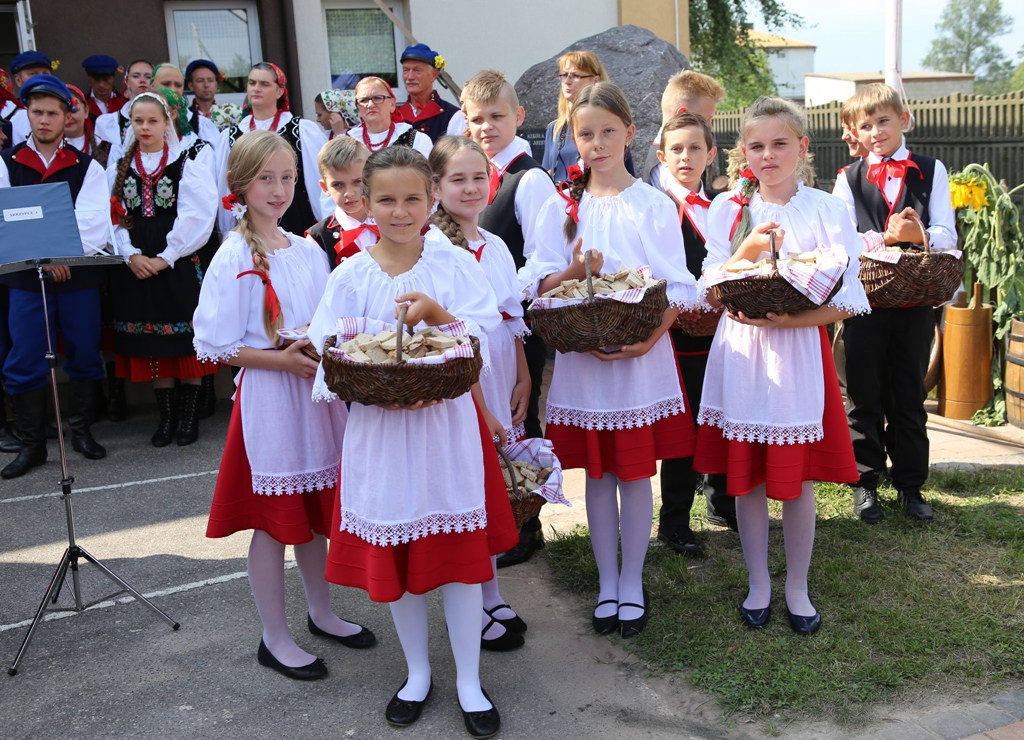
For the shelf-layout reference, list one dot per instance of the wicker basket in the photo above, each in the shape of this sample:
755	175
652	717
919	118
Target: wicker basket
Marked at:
594	325
400	382
524	505
760	295
920	278
705	325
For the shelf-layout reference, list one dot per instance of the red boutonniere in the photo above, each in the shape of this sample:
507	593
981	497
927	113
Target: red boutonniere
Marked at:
230	203
575	172
116	210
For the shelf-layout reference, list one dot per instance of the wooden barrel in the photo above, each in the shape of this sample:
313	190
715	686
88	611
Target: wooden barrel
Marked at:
966	359
1014	378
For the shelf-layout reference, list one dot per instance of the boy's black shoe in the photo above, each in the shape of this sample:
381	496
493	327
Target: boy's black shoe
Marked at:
865	504
916	506
683	541
531	539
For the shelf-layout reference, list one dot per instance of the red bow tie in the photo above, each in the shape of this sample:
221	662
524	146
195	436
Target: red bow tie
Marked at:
895	168
346	246
495	182
695	200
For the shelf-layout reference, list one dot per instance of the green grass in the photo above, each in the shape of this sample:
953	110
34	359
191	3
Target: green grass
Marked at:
905	605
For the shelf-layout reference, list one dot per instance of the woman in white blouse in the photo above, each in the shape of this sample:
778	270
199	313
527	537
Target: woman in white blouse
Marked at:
380	123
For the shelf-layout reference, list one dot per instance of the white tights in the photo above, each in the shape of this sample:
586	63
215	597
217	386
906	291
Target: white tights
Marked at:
798	520
607	524
492	598
266	578
462	603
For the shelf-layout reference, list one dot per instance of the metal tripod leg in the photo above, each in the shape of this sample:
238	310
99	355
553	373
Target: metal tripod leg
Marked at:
58	577
124	585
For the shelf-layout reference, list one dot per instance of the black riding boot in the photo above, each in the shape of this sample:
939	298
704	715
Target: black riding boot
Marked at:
82	395
117	406
30	410
188	432
207	397
165	402
9	443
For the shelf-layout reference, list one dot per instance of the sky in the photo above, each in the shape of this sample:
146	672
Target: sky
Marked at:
828	26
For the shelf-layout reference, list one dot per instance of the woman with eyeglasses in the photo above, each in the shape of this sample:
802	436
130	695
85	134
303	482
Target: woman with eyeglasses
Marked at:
380	123
576	70
267	109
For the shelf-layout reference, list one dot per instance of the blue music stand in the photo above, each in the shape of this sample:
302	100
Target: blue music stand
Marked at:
38	229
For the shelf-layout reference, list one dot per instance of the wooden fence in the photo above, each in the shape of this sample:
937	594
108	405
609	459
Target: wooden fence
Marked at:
957	129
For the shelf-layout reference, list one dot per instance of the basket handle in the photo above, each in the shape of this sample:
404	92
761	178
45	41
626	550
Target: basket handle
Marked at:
773	250
590	278
924	232
511	471
400	333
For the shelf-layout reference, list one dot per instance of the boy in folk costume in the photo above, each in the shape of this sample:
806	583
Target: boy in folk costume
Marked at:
893	193
103	95
24	67
73	300
687	149
202	77
425	110
347	231
686	92
519	188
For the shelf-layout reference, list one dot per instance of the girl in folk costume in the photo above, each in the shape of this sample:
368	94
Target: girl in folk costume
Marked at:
79	129
381	124
435	520
279	469
163	204
267	109
771	414
614	413
336	111
461	181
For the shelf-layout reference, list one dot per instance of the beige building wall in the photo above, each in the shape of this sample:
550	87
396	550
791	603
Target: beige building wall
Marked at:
667	19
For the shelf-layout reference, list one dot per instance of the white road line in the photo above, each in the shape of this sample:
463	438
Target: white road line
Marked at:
50	616
129	484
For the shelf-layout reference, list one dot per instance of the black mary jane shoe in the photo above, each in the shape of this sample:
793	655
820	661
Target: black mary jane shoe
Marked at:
633	627
482	724
513	624
359	641
605	625
805	625
755	618
504	643
312	672
402	712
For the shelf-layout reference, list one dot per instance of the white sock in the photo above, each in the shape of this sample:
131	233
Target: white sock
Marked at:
410	616
462	602
492	598
637	513
798	521
311	558
266	578
603	521
752	519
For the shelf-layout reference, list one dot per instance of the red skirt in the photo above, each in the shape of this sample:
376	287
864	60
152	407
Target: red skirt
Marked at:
291	519
784	468
388	572
145	369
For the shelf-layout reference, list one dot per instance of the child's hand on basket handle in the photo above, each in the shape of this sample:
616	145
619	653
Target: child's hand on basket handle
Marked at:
423	308
292	360
575	271
904	226
758	241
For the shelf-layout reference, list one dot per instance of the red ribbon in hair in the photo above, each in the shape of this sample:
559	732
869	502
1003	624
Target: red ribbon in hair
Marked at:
572	206
739	198
116	209
270	302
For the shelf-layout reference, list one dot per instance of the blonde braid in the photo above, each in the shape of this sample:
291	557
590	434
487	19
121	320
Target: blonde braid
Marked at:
450	227
258	248
118	190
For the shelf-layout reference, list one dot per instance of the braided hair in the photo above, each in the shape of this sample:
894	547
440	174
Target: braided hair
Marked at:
442	153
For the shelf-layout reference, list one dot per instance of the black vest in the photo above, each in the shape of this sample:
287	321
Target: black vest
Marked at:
872	210
500	216
696	251
74	176
436	126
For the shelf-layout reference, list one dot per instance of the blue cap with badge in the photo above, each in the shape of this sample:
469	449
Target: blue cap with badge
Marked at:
29	59
45	85
101	64
423	53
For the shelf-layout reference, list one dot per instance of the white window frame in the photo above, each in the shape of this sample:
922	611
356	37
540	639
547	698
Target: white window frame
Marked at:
252	12
396	7
26	28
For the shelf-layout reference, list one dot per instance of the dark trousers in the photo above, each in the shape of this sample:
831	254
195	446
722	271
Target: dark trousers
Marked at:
536	358
886	361
679	481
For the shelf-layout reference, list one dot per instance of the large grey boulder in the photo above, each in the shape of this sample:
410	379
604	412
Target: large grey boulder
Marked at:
637	61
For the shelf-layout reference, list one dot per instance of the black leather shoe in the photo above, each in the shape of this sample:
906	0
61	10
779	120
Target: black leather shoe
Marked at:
401	712
682	541
359	641
605	625
28	458
633	627
755	618
312	672
916	506
89	447
504	643
8	442
805	625
513	624
531	539
482	724
166	403
865	504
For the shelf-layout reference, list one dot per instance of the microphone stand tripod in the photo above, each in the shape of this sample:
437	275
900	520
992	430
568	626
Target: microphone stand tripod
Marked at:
74	551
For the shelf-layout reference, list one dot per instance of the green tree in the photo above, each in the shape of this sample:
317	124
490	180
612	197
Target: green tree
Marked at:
720	47
1017	78
966	41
